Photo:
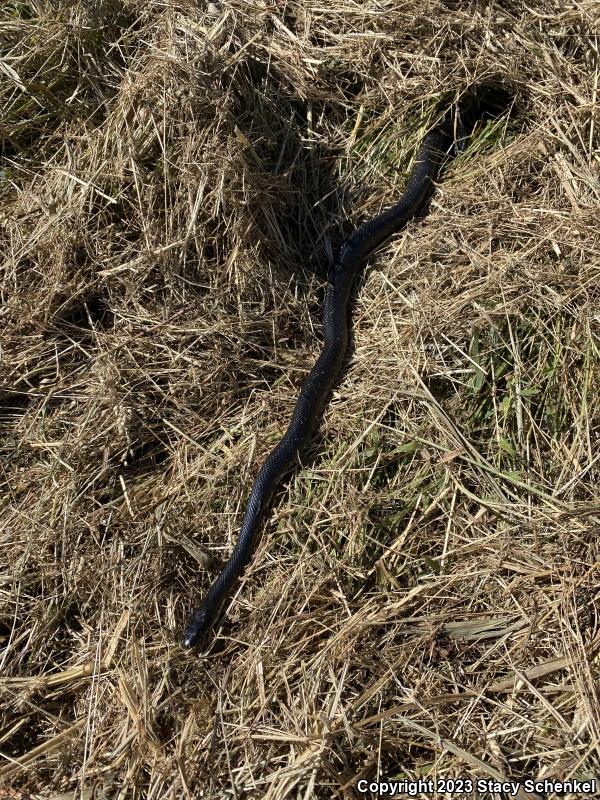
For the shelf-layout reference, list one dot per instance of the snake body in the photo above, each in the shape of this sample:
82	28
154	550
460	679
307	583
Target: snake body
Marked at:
320	380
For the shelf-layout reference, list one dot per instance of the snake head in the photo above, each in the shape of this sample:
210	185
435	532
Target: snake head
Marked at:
199	625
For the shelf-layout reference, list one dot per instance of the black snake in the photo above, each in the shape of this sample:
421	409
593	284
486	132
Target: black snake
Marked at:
315	390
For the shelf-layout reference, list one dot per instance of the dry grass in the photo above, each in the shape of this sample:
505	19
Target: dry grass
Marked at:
175	179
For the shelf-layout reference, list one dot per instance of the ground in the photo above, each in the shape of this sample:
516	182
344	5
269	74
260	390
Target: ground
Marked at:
175	179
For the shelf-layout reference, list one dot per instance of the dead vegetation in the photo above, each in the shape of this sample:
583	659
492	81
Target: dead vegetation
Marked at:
174	180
